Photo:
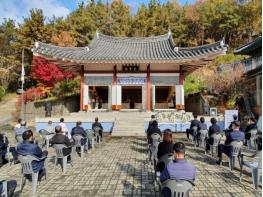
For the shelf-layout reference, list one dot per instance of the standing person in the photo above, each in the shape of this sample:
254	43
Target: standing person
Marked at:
28	147
174	104
98	124
100	104
60	138
194	123
48	109
234	135
179	169
64	128
18	125
94	100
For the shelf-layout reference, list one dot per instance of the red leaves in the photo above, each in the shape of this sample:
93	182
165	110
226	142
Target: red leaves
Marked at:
48	73
33	94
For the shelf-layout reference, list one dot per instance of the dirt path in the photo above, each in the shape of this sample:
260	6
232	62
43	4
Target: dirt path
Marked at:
7	107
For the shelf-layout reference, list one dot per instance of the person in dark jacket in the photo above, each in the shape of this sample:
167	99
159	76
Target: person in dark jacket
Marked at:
28	147
154	129
235	118
3	149
213	129
165	147
79	130
60	138
150	122
201	126
234	135
179	169
252	125
194	123
98	124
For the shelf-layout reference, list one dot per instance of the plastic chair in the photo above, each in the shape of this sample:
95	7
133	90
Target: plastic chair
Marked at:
59	155
45	136
19	138
153	147
178	188
90	137
252	141
8	153
167	158
216	141
26	164
203	137
194	136
256	167
4	191
235	153
97	134
77	144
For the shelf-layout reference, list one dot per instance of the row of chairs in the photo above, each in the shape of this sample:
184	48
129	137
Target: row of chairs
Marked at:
177	188
235	154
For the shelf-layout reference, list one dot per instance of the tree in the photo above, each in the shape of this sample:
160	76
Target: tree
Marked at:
48	73
63	39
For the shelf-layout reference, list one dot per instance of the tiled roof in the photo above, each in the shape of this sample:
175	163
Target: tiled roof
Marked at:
105	48
250	47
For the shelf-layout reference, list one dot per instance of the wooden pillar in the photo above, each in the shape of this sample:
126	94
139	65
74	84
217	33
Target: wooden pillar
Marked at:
81	87
148	89
180	91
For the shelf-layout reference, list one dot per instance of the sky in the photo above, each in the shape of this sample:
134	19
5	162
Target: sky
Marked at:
18	9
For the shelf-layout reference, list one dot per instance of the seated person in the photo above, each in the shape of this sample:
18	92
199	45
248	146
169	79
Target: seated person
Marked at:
235	118
154	129
234	135
27	147
201	126
165	147
20	131
98	124
11	187
18	125
50	129
78	130
64	128
60	138
3	149
194	123
150	122
213	129
252	124
179	169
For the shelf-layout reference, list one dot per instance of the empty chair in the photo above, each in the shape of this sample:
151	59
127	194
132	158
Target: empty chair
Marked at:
177	188
4	191
255	167
26	163
97	131
90	137
78	143
45	136
203	137
59	155
19	138
235	153
216	141
252	141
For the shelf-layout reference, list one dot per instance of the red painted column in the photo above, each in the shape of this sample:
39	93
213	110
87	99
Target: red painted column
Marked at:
81	87
148	89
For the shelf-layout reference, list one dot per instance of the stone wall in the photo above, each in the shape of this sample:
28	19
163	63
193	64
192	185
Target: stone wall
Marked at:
196	103
59	107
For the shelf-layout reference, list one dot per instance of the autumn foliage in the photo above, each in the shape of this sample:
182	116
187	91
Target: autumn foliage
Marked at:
48	73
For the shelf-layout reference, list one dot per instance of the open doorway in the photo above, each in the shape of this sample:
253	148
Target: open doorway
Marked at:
99	96
132	97
164	97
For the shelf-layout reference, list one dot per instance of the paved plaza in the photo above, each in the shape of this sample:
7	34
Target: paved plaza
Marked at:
119	167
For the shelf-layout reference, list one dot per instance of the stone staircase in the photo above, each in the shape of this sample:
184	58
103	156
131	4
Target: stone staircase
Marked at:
130	124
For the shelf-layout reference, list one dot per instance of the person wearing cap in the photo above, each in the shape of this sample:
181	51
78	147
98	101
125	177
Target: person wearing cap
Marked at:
179	168
234	135
60	138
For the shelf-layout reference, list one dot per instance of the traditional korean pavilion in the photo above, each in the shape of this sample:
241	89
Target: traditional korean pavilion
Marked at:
131	73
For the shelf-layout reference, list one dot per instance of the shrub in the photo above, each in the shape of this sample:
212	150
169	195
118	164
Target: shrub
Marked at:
66	87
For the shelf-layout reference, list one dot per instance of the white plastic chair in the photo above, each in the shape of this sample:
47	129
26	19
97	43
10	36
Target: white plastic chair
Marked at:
153	147
216	141
194	136
46	137
59	155
19	138
252	141
77	144
26	164
97	134
178	188
255	167
90	137
203	137
4	191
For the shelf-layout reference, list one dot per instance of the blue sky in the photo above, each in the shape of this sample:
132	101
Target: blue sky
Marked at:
17	9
